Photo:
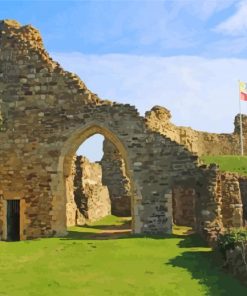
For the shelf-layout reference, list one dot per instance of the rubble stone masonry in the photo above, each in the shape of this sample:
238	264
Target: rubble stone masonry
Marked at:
46	113
243	190
232	207
183	198
115	178
91	197
202	143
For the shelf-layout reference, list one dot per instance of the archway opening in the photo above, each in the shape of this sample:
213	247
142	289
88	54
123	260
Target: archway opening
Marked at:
183	205
98	187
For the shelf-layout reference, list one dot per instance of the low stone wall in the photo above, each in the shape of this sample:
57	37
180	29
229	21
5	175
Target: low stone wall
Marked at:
202	143
91	197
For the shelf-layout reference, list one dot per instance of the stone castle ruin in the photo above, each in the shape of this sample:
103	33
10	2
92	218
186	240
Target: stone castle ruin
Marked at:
150	168
89	198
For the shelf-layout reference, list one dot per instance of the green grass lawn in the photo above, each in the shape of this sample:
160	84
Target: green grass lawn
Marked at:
231	163
88	263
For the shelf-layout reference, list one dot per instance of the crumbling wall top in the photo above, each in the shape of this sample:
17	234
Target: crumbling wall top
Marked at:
9	23
27	35
30	76
160	113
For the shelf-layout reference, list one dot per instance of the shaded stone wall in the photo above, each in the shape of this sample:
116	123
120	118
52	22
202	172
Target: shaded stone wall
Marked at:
202	143
183	205
236	262
115	178
47	113
243	190
2	214
91	197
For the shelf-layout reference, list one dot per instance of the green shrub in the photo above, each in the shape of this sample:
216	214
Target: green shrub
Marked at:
230	239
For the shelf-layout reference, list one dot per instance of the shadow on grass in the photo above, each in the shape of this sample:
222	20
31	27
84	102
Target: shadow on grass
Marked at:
192	241
77	235
123	231
203	265
108	232
206	267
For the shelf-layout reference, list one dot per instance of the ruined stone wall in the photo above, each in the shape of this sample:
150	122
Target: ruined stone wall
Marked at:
218	201
236	262
115	178
71	206
243	190
91	197
202	143
2	217
183	198
208	203
232	208
47	113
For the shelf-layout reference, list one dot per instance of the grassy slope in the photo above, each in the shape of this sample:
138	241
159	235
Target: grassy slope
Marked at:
77	265
229	163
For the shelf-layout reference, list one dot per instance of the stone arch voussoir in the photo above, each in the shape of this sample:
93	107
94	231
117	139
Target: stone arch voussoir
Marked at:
76	138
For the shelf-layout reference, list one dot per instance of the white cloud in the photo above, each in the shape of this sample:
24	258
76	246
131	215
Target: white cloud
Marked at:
236	24
200	92
202	9
227	47
211	7
159	23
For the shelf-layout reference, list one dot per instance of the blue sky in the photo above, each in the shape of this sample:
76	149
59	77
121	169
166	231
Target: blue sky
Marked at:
186	55
163	28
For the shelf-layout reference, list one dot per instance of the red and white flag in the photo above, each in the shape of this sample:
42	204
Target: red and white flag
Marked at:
243	91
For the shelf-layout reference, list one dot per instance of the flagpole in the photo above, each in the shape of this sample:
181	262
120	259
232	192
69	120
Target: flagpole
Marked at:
240	122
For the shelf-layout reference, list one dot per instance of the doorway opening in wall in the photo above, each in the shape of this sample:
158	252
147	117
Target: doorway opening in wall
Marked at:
183	206
13	220
100	198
